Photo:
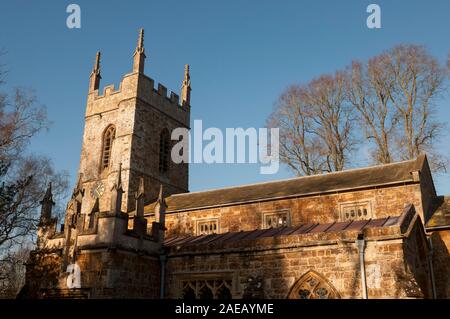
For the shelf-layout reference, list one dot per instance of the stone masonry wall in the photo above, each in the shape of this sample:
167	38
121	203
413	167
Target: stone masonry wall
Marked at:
112	108
388	201
280	268
119	274
441	262
149	123
139	114
42	271
417	256
428	192
104	274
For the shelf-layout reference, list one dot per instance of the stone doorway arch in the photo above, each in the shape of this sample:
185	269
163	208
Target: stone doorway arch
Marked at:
312	285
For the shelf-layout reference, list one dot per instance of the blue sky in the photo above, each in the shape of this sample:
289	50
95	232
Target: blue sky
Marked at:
243	54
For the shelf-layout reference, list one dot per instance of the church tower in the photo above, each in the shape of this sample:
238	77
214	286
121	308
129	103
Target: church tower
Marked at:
129	128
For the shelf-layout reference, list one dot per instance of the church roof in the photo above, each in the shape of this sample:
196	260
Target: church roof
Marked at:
306	235
441	215
353	179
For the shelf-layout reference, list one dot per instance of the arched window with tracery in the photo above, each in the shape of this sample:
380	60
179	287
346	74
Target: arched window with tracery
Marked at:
313	286
108	138
223	292
164	151
207	289
188	292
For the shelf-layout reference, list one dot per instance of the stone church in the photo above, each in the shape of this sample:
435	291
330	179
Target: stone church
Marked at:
133	230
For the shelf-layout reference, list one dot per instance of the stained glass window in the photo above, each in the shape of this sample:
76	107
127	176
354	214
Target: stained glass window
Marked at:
313	286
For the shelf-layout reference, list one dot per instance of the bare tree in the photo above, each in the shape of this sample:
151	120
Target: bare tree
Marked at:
395	94
20	198
20	119
298	148
12	272
333	119
418	81
369	89
23	180
315	124
393	99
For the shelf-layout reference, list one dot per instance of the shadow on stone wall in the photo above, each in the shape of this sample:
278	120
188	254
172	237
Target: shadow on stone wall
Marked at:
441	265
42	270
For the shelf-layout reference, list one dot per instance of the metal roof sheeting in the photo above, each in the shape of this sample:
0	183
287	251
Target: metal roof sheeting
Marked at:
282	231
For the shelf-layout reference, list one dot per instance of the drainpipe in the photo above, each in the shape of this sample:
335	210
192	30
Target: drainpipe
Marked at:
162	260
361	244
430	265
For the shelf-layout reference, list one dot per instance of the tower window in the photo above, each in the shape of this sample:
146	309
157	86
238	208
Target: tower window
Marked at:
164	151
108	138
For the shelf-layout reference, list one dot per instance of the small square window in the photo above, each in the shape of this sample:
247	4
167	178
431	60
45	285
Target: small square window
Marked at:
276	219
356	210
206	227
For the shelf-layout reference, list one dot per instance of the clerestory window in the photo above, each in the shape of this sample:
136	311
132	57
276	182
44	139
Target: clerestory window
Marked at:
206	227
356	210
276	219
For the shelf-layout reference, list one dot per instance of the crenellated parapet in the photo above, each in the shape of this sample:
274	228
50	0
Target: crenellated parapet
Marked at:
89	251
142	88
167	102
99	229
137	110
137	86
